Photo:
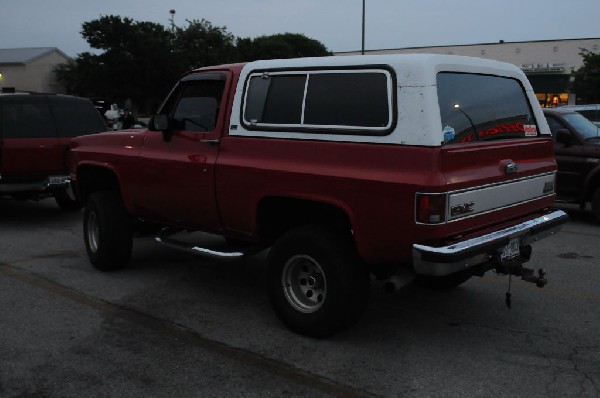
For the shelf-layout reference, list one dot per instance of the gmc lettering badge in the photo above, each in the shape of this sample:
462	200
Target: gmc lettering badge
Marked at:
462	209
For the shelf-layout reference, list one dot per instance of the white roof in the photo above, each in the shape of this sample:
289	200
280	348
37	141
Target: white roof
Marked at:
411	69
26	55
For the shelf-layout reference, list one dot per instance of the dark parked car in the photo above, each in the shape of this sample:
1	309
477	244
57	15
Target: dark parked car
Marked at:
35	131
577	151
591	112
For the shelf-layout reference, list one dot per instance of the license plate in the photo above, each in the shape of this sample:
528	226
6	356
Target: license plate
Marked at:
57	180
511	250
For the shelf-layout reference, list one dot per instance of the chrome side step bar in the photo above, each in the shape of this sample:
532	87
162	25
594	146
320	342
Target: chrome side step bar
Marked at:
163	237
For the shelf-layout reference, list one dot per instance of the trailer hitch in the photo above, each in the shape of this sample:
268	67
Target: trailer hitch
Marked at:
539	280
526	274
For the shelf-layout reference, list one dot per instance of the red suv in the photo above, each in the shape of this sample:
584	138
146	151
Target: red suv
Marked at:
35	130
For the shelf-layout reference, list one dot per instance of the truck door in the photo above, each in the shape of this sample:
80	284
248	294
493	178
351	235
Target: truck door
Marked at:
176	172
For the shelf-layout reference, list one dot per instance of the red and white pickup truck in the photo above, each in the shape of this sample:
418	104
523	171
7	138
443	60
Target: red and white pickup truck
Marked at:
345	167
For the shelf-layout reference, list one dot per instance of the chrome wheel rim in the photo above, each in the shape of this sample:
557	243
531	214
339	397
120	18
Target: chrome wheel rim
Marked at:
304	283
93	232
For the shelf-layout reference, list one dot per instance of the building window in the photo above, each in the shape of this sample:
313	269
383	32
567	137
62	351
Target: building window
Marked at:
551	90
552	100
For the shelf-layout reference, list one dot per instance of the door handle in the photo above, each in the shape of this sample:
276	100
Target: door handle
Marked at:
210	142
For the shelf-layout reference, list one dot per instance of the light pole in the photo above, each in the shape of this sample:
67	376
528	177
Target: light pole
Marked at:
172	20
362	51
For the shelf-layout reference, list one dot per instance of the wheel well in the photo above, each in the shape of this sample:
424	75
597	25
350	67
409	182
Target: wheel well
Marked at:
277	215
92	178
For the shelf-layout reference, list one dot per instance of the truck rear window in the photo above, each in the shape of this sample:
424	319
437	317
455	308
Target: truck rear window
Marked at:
76	116
26	117
314	101
483	108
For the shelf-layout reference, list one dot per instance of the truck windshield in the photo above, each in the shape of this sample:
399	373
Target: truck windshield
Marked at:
483	108
583	126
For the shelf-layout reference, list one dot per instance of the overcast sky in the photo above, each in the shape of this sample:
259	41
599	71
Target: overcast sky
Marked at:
335	23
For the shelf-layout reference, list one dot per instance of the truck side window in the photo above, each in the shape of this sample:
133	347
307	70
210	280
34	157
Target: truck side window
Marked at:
76	116
197	108
320	101
276	99
347	99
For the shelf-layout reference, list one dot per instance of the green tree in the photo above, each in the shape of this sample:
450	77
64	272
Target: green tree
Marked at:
142	60
283	45
75	74
135	53
202	44
134	63
586	79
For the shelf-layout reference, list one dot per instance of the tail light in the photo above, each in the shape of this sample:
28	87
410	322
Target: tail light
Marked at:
430	208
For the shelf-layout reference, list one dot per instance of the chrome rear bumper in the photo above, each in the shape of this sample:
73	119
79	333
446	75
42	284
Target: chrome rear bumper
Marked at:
440	261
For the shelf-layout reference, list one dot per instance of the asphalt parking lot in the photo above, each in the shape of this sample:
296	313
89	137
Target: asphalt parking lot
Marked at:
172	325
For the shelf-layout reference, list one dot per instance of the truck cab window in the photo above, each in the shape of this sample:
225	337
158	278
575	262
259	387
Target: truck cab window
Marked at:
198	106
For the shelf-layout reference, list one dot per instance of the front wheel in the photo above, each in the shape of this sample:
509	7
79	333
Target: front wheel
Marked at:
107	231
317	285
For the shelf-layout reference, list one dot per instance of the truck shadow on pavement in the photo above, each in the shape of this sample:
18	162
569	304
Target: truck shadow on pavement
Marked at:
34	212
179	284
204	288
576	214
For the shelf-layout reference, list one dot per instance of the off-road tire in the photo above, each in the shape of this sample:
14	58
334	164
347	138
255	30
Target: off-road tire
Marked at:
317	284
107	231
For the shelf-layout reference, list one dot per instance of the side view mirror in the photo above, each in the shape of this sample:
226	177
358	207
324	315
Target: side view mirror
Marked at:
564	136
160	122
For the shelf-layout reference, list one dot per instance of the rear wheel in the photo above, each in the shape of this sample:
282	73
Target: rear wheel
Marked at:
107	231
596	204
317	285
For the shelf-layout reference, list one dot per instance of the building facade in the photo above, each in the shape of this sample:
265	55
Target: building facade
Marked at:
547	63
31	69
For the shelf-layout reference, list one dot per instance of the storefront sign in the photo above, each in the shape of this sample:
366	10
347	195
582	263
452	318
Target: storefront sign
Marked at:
547	67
